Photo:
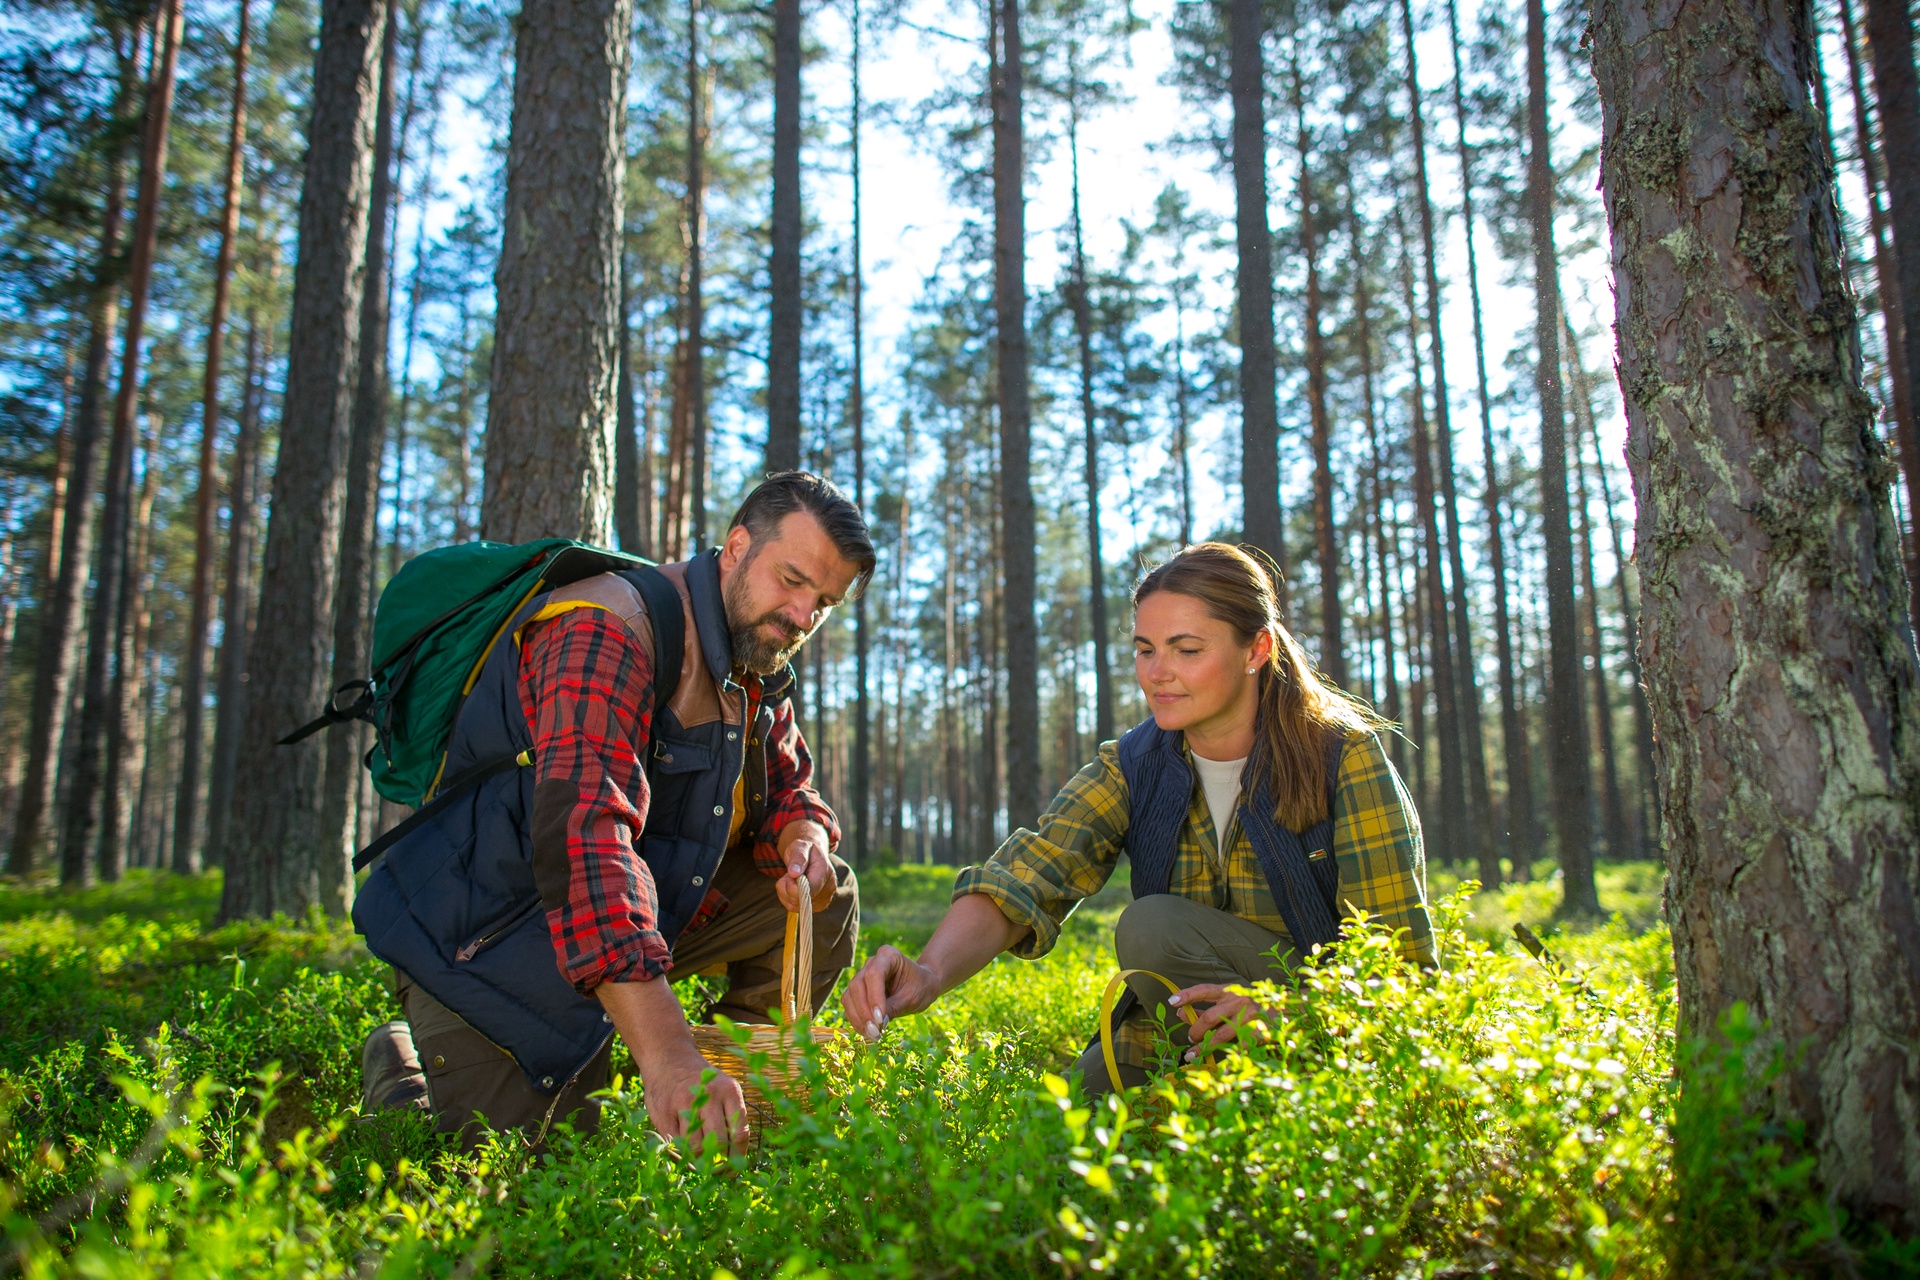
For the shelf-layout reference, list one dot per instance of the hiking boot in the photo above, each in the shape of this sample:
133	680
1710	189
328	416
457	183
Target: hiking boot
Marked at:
391	1071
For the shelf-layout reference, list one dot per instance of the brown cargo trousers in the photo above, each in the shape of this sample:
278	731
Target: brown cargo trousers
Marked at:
436	1061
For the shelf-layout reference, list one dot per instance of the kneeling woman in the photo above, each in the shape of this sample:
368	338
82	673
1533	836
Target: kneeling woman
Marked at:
1257	807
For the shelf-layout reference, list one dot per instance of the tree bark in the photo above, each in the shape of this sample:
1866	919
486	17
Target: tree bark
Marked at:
353	589
1089	436
57	656
1363	320
1780	668
1253	242
92	800
277	790
1567	753
783	263
1513	734
1890	40
1450	832
551	412
629	529
1472	836
1333	659
236	605
193	695
857	411
127	738
1016	413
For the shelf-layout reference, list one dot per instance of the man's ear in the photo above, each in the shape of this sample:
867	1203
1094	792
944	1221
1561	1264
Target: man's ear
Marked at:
735	548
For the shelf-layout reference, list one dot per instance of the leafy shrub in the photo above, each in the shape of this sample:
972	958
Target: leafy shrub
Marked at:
1490	1118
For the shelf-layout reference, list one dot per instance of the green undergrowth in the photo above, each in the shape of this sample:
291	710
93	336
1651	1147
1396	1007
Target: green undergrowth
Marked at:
179	1100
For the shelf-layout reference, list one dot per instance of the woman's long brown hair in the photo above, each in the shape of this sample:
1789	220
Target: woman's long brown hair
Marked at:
1298	706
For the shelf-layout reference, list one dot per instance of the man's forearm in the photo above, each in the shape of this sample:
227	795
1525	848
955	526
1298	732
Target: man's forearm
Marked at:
649	1018
973	932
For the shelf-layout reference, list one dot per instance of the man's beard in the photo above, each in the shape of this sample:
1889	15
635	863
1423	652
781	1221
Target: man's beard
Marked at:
752	650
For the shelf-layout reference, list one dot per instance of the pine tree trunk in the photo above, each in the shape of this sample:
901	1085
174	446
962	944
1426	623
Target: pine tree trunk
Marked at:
1566	719
236	605
1519	797
1781	672
57	655
1016	412
1448	839
126	735
1103	729
193	697
277	790
1363	319
1471	837
1890	40
1253	240
352	604
87	805
1892	314
1333	659
692	389
783	263
1646	792
552	408
857	411
629	530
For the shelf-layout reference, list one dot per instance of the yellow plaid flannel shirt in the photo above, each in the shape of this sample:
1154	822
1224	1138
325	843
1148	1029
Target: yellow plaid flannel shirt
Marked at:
1038	877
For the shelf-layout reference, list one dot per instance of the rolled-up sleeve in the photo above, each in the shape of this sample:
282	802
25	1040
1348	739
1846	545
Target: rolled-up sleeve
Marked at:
791	796
1376	840
1037	877
586	687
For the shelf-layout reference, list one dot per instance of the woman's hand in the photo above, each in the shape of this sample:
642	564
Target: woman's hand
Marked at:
1225	1014
971	934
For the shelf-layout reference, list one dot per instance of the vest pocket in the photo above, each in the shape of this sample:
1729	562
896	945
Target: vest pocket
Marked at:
493	933
672	756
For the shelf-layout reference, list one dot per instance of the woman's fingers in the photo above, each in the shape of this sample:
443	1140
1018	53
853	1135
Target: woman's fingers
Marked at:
866	999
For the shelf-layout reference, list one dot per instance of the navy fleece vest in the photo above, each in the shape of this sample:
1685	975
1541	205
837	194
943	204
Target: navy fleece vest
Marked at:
457	904
1159	795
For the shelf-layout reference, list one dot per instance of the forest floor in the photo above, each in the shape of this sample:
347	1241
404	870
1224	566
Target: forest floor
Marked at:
178	1099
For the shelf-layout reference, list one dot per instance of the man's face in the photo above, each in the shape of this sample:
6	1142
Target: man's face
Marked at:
779	589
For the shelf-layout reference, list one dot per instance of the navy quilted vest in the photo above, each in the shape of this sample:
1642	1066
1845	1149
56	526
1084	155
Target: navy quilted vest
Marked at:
454	904
1159	794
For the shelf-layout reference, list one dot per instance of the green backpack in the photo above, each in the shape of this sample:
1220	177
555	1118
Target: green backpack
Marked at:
436	622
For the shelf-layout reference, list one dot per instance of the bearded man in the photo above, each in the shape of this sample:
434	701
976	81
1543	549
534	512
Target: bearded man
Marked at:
645	843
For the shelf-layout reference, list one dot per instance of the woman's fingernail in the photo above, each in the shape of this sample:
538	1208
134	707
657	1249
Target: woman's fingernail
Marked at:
1173	999
873	1031
1190	1054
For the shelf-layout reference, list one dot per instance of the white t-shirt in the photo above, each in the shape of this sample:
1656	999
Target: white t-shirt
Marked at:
1220	779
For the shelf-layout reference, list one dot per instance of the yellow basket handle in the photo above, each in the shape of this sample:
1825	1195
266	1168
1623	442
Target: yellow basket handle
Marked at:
796	961
1108	1002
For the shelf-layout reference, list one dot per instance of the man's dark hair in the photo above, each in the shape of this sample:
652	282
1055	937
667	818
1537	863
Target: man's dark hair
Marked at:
785	492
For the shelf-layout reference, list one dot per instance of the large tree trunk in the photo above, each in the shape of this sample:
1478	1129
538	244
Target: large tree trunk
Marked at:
1333	659
1016	412
339	819
277	790
193	696
1253	241
551	413
236	605
57	647
1513	734
1567	754
783	262
1471	837
127	736
1780	666
1089	441
89	802
1890	39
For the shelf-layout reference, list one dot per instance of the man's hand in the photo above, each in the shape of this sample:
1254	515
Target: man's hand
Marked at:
670	1084
887	985
649	1018
804	846
1220	1022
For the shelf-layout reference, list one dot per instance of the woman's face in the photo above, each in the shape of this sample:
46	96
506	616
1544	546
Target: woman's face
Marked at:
1191	666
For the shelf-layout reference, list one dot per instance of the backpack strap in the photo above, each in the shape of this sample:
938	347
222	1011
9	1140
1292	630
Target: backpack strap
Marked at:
669	647
669	629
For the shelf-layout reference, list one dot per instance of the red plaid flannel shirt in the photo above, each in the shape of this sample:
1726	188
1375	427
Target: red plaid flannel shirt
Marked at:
586	688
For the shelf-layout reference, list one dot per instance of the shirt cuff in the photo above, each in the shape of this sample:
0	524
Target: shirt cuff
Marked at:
640	957
1016	902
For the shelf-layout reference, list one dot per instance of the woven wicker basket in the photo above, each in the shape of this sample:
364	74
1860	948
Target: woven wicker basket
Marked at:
783	1042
